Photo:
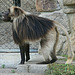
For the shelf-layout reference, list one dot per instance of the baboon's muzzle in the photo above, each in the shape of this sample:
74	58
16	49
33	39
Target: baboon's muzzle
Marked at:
5	17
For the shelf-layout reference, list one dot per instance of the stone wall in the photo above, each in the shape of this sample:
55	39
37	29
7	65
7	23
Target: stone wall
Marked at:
29	5
69	9
46	5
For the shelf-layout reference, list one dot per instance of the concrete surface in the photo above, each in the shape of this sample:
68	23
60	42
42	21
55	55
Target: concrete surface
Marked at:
9	59
13	59
32	68
11	62
9	71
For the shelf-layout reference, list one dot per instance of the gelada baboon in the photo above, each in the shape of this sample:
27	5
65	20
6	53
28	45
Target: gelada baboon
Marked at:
30	28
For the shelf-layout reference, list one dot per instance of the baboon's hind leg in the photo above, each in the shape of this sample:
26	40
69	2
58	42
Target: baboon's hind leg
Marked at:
53	53
47	46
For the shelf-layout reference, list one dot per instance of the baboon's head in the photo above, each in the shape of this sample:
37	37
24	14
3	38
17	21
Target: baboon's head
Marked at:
12	13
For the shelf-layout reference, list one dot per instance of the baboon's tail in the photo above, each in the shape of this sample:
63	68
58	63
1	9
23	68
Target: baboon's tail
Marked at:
70	50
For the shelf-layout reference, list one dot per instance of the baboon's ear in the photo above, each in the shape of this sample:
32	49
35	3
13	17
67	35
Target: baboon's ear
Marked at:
18	11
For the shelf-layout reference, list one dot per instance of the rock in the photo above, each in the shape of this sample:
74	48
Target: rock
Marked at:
72	26
71	18
73	41
68	2
60	3
29	6
69	9
46	5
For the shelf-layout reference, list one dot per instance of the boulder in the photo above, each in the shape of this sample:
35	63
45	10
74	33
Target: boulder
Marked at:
68	2
69	9
46	5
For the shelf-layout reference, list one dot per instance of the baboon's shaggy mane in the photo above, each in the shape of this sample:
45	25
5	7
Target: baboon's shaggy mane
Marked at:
31	27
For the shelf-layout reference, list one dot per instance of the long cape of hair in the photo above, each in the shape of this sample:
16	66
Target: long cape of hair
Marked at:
31	27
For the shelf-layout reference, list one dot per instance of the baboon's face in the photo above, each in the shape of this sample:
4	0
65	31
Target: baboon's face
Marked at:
12	13
6	17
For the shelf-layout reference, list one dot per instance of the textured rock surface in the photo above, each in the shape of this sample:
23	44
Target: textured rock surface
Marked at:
46	5
29	5
69	9
72	26
68	2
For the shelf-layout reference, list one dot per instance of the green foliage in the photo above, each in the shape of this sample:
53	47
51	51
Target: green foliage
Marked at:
13	71
3	66
60	69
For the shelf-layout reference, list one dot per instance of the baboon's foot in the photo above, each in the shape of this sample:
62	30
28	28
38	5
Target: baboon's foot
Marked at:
27	59
22	62
44	62
53	60
48	62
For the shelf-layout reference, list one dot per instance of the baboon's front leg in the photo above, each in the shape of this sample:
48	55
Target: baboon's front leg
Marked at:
27	52
24	50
